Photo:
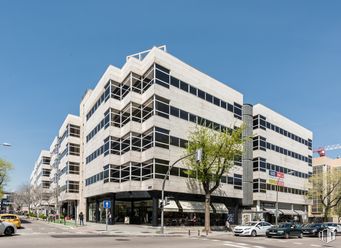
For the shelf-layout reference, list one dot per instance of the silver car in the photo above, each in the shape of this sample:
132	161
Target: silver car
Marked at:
7	229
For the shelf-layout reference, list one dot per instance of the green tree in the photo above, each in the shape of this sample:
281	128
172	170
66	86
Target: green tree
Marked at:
5	167
219	150
326	188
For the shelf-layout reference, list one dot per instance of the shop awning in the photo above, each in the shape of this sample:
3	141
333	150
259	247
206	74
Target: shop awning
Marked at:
171	207
287	212
220	208
193	207
271	210
300	212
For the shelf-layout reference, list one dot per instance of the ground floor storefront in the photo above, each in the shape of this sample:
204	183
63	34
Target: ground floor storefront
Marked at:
266	211
143	207
69	209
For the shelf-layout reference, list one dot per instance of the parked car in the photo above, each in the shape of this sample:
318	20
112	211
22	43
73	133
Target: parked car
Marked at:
335	226
313	229
7	228
11	218
252	228
285	230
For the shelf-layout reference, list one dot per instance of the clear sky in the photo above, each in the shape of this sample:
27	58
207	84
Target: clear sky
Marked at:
284	54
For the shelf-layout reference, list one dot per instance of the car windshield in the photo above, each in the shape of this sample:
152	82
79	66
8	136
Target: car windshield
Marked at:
250	224
313	225
284	225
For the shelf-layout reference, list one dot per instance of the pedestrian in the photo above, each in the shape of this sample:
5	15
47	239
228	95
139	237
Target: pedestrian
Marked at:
227	225
109	218
81	219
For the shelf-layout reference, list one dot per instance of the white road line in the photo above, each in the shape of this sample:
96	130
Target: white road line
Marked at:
258	246
297	243
215	240
237	246
315	245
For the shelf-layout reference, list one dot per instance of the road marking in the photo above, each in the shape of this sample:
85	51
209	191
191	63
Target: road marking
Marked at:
215	240
297	243
237	246
315	245
258	246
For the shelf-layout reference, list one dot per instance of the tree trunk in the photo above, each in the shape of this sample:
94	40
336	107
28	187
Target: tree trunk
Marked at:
326	214
207	212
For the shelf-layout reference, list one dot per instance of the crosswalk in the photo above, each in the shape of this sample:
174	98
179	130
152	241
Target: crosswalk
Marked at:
237	244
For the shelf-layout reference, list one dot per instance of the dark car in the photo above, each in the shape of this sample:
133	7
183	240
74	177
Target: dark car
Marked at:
285	230
313	229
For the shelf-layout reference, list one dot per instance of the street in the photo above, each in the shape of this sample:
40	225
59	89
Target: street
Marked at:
38	234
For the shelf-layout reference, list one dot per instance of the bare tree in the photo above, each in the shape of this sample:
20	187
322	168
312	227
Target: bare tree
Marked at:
326	188
5	167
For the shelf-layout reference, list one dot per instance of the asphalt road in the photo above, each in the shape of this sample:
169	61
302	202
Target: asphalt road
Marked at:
42	235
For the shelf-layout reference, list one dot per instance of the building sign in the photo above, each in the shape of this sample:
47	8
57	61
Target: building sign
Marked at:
280	174
272	173
275	182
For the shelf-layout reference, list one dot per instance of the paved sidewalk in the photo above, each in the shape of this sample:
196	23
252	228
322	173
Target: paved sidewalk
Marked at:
134	230
144	230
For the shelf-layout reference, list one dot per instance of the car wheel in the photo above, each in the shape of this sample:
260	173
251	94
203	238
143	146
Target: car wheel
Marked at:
253	233
300	235
286	235
9	231
268	236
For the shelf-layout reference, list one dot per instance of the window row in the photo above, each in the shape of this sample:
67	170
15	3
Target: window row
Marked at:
154	137
260	185
259	121
259	143
71	149
235	108
151	169
160	75
70	187
133	82
45	160
131	112
71	130
236	180
46	184
70	168
260	164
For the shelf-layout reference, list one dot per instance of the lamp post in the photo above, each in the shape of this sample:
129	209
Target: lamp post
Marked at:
198	156
276	214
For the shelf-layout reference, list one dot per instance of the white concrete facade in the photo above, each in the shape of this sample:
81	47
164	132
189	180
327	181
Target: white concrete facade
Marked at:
286	152
135	123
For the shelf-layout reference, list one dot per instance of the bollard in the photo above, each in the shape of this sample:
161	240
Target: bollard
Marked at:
189	233
198	233
206	232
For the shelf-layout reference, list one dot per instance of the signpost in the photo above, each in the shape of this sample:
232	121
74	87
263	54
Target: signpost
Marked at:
106	205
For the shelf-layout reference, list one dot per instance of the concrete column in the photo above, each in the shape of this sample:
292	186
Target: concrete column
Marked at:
97	211
247	156
155	211
113	201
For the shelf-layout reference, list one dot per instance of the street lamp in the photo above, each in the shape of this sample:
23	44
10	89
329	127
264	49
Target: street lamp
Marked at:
198	156
278	178
6	144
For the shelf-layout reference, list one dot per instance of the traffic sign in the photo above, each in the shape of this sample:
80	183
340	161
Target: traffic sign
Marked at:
106	204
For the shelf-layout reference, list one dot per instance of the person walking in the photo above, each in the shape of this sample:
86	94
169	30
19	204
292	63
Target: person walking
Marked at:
227	225
81	219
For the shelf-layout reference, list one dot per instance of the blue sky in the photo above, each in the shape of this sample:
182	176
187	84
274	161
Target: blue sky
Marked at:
284	54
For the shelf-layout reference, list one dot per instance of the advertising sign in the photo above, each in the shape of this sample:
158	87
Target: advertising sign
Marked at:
280	174
272	173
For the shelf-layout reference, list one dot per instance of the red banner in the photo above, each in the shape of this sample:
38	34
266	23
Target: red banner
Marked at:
280	174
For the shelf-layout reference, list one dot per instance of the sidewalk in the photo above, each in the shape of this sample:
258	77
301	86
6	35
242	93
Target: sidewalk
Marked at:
135	230
145	230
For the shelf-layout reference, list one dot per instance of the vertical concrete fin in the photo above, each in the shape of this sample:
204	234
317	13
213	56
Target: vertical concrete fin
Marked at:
247	156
